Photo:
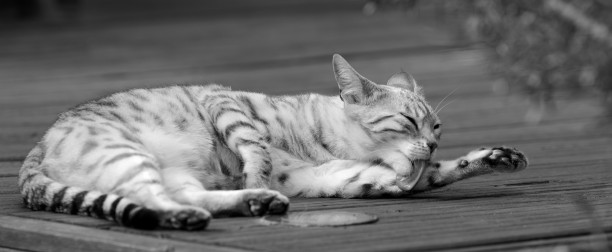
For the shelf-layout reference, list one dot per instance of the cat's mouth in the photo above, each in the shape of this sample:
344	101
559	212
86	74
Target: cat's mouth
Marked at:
407	182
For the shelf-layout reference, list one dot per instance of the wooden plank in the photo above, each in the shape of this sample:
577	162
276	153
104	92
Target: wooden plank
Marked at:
9	194
36	235
315	77
207	43
9	169
84	221
589	242
8	185
427	231
11	203
103	13
9	250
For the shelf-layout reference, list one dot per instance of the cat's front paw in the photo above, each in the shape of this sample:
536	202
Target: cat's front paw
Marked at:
500	159
258	202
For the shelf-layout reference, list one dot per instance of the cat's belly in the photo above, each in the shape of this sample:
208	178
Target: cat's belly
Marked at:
177	149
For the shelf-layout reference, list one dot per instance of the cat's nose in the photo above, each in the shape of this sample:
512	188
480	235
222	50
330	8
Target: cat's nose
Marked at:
432	146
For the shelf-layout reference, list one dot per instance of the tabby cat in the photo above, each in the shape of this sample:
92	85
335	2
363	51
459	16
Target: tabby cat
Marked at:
173	157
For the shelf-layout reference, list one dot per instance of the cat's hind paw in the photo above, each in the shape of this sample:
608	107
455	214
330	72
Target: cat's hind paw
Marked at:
500	159
188	218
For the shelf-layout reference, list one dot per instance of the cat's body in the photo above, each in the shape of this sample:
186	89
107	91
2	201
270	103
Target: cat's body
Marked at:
173	156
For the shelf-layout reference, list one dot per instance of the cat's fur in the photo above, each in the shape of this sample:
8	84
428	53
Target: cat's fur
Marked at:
174	156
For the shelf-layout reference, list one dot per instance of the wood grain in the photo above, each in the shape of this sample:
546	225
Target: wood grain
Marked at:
51	236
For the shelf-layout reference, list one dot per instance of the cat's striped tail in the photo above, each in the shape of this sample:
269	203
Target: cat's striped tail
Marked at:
40	192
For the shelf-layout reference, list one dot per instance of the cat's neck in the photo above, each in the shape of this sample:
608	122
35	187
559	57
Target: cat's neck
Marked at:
328	126
351	137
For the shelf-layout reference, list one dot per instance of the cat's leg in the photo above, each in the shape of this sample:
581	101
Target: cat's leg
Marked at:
136	175
185	188
475	163
336	178
237	130
375	178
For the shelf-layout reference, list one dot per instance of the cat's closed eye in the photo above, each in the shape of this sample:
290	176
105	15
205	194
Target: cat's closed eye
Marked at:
412	121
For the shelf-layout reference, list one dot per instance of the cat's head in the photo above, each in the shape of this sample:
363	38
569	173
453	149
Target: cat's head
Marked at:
394	114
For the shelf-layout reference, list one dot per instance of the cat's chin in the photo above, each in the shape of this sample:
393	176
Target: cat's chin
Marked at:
407	182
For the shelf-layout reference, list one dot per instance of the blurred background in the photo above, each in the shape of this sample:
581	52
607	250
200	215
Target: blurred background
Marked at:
499	62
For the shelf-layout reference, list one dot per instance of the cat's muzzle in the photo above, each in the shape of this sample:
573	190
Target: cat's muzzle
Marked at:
407	182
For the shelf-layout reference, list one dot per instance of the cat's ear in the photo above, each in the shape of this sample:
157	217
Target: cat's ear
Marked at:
403	80
354	88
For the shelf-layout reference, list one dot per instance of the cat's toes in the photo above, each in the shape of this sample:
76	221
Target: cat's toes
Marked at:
261	202
503	159
189	218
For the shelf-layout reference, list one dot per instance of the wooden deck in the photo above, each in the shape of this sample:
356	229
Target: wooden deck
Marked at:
562	202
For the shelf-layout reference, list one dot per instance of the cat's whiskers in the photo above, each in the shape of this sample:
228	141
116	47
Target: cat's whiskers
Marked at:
444	99
438	111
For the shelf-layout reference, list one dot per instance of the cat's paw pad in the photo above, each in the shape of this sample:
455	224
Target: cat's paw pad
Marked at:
189	218
503	159
463	163
261	202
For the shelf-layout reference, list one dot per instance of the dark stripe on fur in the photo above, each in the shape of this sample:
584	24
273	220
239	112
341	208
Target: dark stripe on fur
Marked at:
57	199
123	156
403	131
77	201
135	106
181	123
243	142
158	120
185	106
282	178
193	101
280	122
381	162
224	169
28	178
93	130
88	146
234	126
366	189
106	103
118	117
252	110
380	119
125	215
112	212
119	146
433	183
98	206
353	178
138	96
128	136
227	110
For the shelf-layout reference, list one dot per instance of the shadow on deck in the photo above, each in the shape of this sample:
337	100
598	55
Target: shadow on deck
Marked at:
563	200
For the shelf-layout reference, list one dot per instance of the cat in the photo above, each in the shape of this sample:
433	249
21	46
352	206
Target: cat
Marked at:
173	157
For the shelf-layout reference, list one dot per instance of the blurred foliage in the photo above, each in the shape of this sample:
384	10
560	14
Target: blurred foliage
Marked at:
546	48
541	50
